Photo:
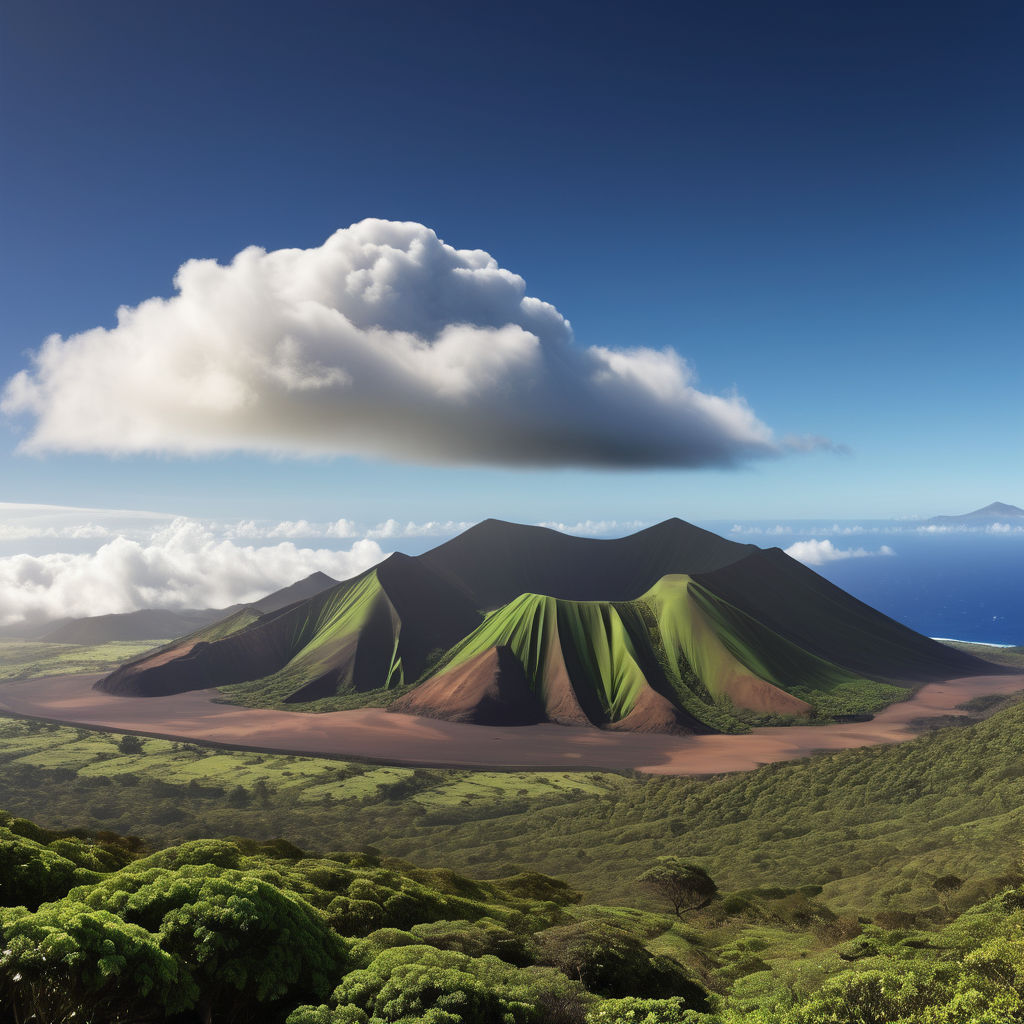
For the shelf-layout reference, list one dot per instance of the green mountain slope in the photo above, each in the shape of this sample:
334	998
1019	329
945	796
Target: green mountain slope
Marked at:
816	615
348	639
678	659
669	630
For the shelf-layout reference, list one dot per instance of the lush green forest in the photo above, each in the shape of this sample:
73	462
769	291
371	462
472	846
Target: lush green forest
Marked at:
99	928
864	886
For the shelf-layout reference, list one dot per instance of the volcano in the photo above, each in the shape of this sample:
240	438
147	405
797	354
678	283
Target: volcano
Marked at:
672	629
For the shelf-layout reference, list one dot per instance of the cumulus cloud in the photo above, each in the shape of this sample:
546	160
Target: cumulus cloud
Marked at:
251	529
820	552
433	528
183	565
21	521
766	531
998	529
383	342
596	527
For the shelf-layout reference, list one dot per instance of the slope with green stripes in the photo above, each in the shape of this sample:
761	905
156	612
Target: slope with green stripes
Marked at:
742	637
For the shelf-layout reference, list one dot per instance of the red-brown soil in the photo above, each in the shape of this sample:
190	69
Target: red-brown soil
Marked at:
379	735
490	689
653	713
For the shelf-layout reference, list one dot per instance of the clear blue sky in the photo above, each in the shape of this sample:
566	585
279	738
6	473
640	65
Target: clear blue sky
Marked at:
818	205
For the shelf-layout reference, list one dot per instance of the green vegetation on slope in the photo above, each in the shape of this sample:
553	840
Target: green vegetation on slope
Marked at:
26	659
829	688
592	637
703	654
327	635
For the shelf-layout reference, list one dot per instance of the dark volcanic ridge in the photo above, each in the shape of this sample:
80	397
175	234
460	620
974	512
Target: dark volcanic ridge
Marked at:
670	630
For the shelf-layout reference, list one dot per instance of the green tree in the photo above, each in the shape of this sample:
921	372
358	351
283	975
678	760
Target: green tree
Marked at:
437	986
945	886
611	962
246	942
129	744
68	962
31	874
684	886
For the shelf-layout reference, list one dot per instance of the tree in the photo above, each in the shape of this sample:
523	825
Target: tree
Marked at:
684	886
441	986
610	962
31	874
68	962
129	744
945	886
246	942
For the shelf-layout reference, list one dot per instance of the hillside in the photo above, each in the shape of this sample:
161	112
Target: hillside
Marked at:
350	638
797	603
672	629
676	660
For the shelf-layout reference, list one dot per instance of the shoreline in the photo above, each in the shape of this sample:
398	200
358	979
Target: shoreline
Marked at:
385	737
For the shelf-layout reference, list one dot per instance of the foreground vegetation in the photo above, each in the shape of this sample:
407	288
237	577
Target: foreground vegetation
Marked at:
99	928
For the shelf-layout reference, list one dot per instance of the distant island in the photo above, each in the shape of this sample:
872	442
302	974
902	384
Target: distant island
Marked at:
996	512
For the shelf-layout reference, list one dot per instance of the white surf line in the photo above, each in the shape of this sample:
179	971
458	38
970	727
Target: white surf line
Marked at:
973	643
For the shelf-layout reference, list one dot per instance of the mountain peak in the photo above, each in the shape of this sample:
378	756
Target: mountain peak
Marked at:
996	510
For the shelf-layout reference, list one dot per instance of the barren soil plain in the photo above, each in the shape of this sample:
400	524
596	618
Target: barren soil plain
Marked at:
378	735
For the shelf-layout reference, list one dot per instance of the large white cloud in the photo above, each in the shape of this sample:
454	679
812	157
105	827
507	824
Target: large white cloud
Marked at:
383	342
183	565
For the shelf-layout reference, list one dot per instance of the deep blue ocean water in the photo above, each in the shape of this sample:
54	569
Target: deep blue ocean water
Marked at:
958	585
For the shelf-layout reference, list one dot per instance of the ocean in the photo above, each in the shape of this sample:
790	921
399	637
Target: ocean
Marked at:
958	584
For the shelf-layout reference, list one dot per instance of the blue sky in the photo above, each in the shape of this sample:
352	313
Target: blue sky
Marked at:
817	206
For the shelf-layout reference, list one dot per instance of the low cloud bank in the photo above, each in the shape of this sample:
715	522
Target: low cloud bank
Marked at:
181	566
598	527
384	342
996	529
820	552
20	521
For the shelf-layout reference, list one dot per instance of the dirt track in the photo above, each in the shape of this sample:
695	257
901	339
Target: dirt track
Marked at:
404	739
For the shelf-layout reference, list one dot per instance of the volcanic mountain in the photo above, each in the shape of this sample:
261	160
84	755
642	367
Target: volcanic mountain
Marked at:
672	629
996	512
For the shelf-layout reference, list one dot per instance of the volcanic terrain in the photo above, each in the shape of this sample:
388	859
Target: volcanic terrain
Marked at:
670	630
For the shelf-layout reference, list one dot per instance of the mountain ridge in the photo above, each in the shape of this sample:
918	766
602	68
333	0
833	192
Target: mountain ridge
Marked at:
672	629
